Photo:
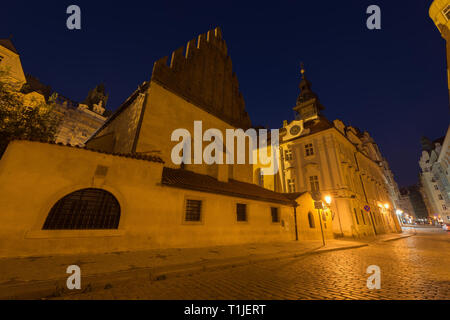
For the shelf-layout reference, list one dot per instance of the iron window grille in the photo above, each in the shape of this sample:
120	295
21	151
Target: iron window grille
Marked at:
241	212
87	209
275	215
193	211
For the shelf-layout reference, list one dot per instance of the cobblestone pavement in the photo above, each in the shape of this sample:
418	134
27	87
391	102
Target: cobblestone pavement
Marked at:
412	268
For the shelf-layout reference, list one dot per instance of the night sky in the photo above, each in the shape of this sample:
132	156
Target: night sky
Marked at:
391	82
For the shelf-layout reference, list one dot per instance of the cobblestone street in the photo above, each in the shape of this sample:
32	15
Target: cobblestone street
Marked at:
412	268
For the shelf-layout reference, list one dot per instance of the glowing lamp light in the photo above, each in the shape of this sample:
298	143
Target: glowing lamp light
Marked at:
328	199
399	212
386	206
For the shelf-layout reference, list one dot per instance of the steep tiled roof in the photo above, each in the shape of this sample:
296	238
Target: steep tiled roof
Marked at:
7	43
193	181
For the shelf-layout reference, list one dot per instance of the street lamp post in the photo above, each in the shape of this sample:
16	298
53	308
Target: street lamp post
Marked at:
319	206
320	220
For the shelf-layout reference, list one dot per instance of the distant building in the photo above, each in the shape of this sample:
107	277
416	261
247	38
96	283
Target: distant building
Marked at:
78	121
441	170
417	202
406	206
434	176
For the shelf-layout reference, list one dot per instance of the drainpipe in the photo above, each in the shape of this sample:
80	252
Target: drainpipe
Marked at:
321	228
295	221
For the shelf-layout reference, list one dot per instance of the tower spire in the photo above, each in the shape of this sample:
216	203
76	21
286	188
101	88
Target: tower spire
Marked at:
302	71
308	104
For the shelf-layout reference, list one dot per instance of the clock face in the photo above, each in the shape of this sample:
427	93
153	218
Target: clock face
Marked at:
295	130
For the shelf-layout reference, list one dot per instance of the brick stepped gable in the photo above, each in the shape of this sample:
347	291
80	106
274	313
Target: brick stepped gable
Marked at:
203	74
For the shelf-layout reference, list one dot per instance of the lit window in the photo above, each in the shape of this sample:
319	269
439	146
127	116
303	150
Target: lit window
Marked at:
314	181
241	212
261	178
446	12
275	215
193	211
288	155
309	150
291	185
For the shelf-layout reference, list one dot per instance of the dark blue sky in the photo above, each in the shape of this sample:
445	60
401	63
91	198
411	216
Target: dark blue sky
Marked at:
391	82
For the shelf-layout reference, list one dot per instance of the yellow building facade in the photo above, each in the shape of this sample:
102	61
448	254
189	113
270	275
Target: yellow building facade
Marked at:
440	14
330	158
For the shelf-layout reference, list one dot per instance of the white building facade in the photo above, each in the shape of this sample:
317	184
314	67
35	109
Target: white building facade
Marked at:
434	176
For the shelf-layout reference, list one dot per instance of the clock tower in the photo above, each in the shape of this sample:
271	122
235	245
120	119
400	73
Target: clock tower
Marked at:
308	105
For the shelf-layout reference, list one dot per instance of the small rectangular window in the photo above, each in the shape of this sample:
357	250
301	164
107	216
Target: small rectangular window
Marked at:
241	212
314	182
291	185
193	211
288	155
309	149
275	215
446	12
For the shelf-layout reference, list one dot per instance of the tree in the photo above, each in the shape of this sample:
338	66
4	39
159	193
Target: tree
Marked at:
20	121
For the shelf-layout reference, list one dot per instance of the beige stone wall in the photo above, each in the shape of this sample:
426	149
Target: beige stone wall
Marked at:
166	112
76	126
34	176
305	232
120	133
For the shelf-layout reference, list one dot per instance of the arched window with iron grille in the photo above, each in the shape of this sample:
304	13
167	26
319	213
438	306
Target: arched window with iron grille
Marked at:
87	209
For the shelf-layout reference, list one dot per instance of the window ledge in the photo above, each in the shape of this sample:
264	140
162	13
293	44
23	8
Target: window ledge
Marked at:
56	234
